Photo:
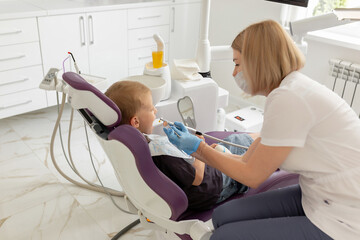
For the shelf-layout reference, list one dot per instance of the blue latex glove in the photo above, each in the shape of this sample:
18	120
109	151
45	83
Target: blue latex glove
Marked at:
186	142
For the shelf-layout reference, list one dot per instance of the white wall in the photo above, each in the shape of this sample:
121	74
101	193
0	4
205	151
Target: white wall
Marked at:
227	19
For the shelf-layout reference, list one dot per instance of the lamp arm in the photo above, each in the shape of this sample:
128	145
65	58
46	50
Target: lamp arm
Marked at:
203	55
301	27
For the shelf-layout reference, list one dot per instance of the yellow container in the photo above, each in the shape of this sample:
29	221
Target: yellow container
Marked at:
157	58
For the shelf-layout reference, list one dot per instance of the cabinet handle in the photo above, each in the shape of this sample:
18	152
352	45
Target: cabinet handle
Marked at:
82	31
144	38
16	81
12	58
16	104
91	29
144	57
173	25
148	17
11	32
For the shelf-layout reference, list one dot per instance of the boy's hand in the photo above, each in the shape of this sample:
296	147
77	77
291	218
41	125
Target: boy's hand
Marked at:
200	136
213	145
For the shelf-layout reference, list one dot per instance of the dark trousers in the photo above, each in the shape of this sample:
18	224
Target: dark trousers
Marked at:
273	215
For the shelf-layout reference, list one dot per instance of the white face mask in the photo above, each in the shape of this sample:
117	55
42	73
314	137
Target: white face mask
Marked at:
241	82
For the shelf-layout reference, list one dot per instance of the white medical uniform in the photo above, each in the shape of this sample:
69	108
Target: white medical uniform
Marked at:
325	134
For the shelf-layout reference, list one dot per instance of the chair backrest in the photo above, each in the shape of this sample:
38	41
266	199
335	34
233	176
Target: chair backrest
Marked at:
146	186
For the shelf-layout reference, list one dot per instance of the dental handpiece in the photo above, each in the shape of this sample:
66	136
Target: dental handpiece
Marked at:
191	130
169	124
194	131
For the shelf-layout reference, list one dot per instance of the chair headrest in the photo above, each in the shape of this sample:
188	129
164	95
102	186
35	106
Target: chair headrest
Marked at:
83	95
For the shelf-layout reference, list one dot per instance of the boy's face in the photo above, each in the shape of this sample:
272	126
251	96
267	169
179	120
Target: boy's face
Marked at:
146	114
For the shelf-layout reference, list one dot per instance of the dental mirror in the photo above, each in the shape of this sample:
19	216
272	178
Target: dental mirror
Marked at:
186	109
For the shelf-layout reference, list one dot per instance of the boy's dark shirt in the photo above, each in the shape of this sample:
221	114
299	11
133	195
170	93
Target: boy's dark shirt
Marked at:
200	197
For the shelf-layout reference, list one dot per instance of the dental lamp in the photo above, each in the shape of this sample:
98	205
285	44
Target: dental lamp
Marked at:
339	16
204	50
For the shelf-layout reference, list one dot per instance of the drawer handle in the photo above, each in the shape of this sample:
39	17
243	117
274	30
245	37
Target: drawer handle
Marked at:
173	25
144	57
91	29
11	32
149	17
16	104
145	38
16	81
82	31
12	58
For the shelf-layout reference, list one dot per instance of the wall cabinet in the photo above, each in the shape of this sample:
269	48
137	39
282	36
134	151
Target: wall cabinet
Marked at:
98	45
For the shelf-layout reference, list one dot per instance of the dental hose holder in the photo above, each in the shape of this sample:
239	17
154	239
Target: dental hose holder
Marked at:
158	68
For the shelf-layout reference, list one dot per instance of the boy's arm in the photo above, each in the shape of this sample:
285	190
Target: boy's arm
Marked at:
199	172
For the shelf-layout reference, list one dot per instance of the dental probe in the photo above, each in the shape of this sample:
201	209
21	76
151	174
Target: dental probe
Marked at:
194	131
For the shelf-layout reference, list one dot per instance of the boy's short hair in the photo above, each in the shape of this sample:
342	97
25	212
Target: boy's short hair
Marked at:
127	95
268	55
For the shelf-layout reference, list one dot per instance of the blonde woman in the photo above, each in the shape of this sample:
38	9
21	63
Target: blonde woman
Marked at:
307	129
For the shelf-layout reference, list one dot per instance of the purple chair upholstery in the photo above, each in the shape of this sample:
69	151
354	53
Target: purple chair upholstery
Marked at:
79	83
154	178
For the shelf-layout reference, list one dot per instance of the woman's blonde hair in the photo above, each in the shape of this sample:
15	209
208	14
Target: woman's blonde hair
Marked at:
127	95
268	55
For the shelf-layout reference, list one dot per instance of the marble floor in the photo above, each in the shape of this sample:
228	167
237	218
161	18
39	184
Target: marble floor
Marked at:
36	202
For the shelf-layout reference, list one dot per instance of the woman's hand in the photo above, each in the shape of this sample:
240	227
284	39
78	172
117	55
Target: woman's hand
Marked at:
182	139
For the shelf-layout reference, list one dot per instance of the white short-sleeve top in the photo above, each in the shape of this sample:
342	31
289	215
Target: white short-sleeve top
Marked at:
325	134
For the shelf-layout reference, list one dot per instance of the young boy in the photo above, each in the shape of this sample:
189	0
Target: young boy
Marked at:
203	185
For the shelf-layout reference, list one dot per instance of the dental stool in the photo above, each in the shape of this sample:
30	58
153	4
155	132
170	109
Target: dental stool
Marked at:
159	202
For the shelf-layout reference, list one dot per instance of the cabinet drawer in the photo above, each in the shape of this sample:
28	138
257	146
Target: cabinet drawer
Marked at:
146	17
144	37
20	55
20	79
138	57
21	102
18	31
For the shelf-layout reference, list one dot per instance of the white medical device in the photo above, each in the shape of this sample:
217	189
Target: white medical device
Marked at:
249	119
49	81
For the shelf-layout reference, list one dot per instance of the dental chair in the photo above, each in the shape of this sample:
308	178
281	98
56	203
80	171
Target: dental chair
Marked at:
159	202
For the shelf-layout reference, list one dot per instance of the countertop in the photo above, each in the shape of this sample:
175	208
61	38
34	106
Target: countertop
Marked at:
12	9
341	40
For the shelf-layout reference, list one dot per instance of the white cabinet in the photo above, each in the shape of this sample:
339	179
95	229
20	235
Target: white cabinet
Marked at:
20	67
143	23
60	35
97	40
108	45
112	43
184	29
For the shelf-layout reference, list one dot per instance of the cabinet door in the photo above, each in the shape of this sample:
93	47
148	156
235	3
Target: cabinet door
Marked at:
107	37
60	35
184	30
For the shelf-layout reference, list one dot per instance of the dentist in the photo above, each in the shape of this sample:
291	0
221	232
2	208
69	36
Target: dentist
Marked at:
307	129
